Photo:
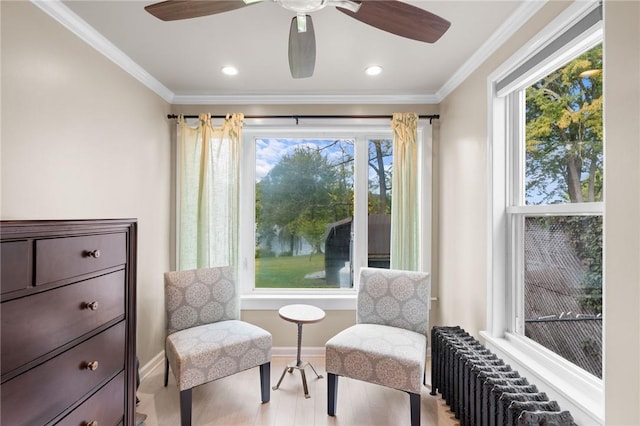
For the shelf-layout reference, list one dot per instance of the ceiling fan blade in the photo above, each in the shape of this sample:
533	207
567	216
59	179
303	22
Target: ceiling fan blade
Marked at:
302	49
401	19
173	10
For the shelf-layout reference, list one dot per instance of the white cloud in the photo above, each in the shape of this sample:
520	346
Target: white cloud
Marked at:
270	151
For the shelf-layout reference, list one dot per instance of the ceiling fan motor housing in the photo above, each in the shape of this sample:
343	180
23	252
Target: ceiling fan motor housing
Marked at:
302	6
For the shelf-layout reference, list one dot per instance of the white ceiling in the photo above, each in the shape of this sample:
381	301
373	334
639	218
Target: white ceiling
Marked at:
181	60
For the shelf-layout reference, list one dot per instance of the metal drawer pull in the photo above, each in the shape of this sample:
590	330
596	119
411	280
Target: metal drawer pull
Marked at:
94	253
92	305
92	423
93	365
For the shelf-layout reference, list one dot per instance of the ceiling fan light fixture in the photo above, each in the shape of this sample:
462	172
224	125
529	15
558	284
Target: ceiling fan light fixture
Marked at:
373	70
301	22
229	70
302	6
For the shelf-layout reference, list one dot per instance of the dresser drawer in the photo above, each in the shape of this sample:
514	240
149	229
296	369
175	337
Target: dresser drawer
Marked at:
69	257
44	392
15	266
105	407
33	326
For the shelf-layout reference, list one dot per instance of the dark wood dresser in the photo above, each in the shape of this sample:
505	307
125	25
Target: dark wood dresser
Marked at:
67	310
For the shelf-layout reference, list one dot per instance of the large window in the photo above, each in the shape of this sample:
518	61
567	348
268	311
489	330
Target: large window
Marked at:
304	210
316	207
545	276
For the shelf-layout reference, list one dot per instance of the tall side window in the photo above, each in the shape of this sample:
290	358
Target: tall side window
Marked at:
556	210
546	206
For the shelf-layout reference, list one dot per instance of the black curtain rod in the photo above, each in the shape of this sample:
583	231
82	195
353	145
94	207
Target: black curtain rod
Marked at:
431	117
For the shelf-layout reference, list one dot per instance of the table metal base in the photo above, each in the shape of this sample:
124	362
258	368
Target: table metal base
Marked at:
300	367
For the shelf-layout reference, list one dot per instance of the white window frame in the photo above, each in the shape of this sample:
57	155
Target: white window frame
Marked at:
574	389
362	130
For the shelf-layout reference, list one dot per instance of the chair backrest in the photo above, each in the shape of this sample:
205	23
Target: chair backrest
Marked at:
395	298
199	296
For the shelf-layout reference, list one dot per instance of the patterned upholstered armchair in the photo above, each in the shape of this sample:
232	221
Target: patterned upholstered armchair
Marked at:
205	340
388	344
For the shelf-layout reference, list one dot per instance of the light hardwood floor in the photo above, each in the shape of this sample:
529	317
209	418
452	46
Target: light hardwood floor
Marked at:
235	401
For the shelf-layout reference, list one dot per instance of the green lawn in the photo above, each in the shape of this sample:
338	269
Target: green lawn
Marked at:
289	272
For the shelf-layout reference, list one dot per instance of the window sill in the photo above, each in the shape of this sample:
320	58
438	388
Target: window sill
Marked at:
575	390
274	301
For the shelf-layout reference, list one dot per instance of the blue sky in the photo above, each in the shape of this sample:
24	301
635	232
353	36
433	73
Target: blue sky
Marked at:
269	151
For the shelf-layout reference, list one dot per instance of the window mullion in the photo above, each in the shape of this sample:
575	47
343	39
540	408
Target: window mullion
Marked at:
517	148
516	154
359	232
517	274
246	234
568	209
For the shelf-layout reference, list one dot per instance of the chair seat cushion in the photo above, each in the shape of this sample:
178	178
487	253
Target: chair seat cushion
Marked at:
388	356
208	352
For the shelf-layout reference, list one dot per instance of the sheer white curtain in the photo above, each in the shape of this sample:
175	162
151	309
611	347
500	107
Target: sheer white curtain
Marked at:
405	221
208	192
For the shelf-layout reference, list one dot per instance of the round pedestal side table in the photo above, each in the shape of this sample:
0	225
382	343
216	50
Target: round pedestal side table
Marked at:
300	314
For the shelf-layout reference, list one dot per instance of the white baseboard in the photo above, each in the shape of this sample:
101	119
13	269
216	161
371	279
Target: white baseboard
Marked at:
156	361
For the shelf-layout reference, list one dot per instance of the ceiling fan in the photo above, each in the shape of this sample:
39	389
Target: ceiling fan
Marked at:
393	16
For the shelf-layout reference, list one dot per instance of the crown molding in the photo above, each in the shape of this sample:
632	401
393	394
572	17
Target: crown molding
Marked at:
61	13
311	99
497	39
58	11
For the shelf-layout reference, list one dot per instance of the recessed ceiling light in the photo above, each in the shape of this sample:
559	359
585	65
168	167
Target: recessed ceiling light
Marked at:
230	70
373	70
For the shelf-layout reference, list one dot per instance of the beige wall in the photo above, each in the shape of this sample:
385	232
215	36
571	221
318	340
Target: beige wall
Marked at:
622	212
83	139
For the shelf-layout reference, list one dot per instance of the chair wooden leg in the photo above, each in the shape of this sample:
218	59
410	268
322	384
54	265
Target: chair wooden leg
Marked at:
332	393
185	407
414	401
265	382
166	371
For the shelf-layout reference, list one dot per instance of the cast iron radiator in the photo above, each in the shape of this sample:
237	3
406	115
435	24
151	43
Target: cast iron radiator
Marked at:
481	389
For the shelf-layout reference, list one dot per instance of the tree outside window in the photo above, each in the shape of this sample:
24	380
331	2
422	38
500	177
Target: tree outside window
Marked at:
563	253
305	206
